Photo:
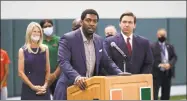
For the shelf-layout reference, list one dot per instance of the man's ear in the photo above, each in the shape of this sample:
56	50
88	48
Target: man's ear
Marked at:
134	26
81	21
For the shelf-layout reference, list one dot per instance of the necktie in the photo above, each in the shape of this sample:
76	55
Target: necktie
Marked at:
163	49
129	46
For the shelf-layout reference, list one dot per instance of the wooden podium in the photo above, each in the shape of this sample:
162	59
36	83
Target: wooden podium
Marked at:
132	87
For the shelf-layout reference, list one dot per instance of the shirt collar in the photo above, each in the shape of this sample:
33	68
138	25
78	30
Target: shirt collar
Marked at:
125	37
161	43
83	36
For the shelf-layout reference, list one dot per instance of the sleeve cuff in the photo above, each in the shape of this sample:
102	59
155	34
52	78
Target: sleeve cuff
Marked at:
76	79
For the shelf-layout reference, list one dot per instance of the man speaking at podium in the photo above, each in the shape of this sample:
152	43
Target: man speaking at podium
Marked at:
81	54
129	50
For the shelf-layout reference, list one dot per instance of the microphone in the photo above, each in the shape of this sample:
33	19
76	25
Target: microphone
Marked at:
113	44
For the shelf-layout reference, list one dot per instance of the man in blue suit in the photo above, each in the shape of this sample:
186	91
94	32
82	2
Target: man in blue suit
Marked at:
81	55
137	49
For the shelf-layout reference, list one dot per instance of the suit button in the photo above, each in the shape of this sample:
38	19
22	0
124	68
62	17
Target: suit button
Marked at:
29	72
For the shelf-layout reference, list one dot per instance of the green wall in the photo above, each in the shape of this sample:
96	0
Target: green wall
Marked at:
13	37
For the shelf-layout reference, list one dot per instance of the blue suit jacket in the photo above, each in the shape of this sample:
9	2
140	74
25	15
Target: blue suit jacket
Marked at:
72	60
141	60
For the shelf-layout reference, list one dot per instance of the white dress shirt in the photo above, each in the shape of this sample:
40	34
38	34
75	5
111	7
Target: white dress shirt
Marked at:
125	38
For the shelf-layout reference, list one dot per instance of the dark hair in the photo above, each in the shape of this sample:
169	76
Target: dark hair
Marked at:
42	22
128	14
89	11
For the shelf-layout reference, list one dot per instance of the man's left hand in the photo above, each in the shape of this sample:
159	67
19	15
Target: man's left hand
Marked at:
167	66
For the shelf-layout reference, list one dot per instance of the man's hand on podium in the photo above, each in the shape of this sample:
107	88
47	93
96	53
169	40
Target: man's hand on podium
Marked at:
80	82
124	74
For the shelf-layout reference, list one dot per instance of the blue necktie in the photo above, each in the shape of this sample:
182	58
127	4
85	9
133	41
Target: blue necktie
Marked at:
163	49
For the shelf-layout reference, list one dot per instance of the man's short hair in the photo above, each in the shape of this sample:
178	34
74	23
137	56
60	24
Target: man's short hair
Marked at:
89	11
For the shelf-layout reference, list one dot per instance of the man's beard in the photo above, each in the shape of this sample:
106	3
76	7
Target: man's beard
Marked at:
87	32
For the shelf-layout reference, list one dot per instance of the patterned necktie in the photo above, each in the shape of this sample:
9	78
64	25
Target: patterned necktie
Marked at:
163	49
129	46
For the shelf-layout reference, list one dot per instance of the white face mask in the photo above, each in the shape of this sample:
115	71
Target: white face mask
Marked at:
35	38
48	31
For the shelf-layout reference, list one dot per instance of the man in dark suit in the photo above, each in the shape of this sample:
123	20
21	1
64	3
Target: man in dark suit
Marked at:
110	30
81	54
164	65
137	49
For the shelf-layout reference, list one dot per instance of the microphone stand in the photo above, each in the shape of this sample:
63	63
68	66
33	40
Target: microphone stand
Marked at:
124	73
124	58
124	64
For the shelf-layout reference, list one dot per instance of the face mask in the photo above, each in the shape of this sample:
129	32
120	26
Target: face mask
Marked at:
35	38
109	36
48	31
162	39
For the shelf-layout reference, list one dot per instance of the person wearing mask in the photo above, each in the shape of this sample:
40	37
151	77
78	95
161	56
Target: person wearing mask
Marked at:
164	65
81	55
51	40
110	30
76	24
138	58
4	71
33	65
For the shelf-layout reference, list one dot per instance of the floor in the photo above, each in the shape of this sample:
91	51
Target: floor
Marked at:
175	90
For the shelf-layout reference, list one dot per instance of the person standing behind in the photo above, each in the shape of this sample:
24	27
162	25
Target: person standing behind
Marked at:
81	55
139	58
164	65
76	24
4	71
110	30
51	40
33	65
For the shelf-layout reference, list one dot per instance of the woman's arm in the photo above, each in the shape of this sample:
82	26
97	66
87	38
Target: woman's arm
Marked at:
47	69
57	72
54	75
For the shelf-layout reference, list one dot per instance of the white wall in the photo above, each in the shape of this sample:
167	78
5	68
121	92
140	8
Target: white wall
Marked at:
106	9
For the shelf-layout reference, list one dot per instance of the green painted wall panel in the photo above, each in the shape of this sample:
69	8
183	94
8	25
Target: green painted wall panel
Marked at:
13	37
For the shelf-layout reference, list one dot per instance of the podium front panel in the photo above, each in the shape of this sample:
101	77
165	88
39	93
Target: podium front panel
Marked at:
130	86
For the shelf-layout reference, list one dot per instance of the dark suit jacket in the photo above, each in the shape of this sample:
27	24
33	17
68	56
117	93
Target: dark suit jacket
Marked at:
157	58
141	60
72	62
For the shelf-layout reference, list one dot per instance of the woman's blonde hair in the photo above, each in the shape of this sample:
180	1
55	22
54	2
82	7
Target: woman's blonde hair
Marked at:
28	40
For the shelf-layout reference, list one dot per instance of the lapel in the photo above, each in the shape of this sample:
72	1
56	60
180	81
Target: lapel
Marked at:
96	45
121	43
158	48
80	44
134	47
168	49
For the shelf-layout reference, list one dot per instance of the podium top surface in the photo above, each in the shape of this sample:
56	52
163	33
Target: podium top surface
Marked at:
114	78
